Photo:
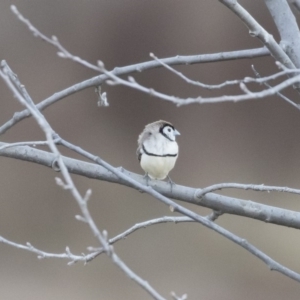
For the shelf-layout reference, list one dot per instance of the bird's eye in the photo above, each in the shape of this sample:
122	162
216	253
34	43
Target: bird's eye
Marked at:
169	129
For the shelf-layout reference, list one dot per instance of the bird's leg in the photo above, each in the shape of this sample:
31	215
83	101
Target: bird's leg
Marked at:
147	178
172	183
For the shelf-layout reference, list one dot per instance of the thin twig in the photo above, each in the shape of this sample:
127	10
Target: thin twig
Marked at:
131	83
31	143
42	254
279	94
85	258
228	82
123	235
253	187
63	52
98	80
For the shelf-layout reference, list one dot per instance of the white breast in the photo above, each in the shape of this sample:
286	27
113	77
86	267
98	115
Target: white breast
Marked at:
159	145
157	167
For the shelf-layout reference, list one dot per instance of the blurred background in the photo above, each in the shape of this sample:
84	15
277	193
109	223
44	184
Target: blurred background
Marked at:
248	142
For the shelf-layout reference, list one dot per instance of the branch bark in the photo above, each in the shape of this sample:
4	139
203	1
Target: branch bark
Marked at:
98	80
288	28
230	205
256	30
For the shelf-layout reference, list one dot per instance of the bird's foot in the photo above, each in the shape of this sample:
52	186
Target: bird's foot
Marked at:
171	182
147	178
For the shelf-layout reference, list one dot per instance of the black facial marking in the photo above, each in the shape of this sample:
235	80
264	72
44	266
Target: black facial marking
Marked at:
161	130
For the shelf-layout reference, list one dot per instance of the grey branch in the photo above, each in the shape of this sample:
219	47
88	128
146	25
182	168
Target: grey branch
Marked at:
297	106
245	208
122	174
98	80
21	94
85	258
43	254
256	30
288	28
123	235
52	41
272	264
119	71
11	81
248	95
178	60
258	80
32	143
253	187
124	177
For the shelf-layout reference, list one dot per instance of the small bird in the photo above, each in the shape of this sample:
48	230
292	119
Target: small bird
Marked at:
157	149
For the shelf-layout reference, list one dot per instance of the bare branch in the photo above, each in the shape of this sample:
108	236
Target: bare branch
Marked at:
98	80
213	201
142	225
240	54
258	79
166	219
85	258
42	254
34	144
253	187
288	28
21	94
256	30
53	41
174	206
131	83
273	265
278	94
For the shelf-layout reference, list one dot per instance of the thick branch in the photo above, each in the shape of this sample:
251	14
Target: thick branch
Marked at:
216	202
174	207
255	29
288	28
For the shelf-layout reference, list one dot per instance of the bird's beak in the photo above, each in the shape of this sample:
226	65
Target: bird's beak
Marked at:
176	132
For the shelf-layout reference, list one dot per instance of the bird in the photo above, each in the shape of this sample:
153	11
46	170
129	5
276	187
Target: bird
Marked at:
157	149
